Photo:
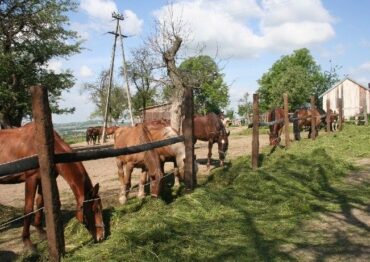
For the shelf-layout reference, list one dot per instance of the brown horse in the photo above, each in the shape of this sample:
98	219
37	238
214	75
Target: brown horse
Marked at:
93	135
276	114
210	128
302	118
148	161
19	143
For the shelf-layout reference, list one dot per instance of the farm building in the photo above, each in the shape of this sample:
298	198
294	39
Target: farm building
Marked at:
156	112
355	97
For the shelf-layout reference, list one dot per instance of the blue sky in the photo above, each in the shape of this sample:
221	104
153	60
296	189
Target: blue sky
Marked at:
247	36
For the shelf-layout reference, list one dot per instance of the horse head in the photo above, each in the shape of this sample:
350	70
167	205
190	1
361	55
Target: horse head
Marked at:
223	144
90	214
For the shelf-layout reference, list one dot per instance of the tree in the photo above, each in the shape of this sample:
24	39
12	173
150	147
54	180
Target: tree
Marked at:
210	92
298	75
141	71
230	113
31	34
98	95
245	106
166	41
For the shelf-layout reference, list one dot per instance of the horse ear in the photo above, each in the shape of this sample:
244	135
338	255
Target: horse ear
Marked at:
95	190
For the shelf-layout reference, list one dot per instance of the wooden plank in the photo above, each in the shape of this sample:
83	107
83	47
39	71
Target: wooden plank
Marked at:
30	163
188	131
255	134
313	119
44	139
340	121
286	120
328	115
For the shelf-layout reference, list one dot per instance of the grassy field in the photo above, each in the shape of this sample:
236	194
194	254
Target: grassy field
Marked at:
271	214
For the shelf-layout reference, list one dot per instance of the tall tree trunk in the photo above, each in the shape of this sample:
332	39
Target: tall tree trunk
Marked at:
174	74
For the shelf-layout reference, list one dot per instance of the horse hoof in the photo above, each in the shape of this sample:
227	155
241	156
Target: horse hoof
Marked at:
122	200
141	195
30	248
42	234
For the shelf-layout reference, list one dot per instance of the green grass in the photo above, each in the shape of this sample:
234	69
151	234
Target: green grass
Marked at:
248	131
237	214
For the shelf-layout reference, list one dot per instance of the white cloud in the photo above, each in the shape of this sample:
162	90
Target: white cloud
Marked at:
361	73
100	14
245	28
85	71
55	65
100	9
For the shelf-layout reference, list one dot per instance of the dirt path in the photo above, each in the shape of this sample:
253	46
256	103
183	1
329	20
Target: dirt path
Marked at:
338	236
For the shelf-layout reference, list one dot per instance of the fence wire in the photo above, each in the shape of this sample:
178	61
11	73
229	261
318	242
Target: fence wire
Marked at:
4	225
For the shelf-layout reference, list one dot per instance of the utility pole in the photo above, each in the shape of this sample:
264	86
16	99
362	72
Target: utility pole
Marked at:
115	16
126	75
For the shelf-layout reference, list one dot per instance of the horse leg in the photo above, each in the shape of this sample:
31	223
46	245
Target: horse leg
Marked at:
142	182
39	214
30	191
210	144
121	176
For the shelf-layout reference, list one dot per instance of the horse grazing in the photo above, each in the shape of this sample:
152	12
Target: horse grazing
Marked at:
302	118
19	143
276	114
210	128
148	161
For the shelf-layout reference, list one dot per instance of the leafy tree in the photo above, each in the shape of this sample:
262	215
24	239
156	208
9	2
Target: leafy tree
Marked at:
230	113
31	34
298	75
210	92
140	72
98	95
245	106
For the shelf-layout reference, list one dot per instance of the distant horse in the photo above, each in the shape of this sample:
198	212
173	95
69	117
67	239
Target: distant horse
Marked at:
19	143
302	118
148	161
210	128
276	114
93	135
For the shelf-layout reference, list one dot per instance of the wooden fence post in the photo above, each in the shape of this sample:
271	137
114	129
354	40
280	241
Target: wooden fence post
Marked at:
328	116
340	105
44	139
286	120
313	119
365	113
255	137
188	131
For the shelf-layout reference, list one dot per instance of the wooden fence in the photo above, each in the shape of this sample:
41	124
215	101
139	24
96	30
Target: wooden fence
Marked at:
257	123
45	160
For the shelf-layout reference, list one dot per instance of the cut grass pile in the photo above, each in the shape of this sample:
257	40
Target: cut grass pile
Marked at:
238	214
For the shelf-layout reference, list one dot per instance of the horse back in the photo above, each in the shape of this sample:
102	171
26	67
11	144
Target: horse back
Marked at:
207	127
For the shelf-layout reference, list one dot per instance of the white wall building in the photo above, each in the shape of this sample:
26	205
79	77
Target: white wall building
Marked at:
355	97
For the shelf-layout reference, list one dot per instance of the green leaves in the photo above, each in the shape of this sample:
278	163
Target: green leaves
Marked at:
299	76
31	34
211	94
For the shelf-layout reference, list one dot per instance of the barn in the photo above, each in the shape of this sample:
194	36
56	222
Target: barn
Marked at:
356	97
156	112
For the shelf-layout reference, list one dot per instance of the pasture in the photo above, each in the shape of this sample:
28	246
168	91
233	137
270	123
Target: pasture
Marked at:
310	202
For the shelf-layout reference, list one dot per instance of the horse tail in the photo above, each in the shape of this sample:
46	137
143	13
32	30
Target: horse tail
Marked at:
296	126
